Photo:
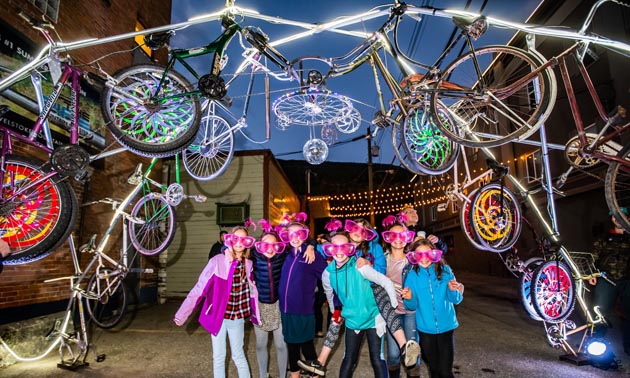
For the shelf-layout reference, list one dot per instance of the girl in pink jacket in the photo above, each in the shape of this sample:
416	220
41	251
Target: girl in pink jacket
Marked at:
229	296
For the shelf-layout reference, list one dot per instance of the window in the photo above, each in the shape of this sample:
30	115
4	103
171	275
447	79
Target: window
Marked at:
232	214
50	8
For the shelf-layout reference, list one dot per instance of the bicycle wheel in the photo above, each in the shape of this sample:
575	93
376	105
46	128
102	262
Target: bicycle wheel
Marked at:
428	149
499	107
158	228
525	291
106	298
37	213
495	217
210	153
553	291
618	188
149	119
464	222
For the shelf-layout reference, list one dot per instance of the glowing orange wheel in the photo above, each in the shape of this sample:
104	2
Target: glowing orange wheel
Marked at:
37	209
495	218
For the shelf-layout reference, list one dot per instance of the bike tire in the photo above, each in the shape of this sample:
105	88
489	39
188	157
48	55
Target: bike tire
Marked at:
553	291
525	292
496	232
106	299
482	119
618	188
38	221
427	149
398	145
156	233
464	222
151	125
212	149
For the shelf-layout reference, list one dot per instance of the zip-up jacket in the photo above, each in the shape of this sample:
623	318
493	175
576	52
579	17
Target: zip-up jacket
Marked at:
213	287
267	272
432	300
298	282
354	290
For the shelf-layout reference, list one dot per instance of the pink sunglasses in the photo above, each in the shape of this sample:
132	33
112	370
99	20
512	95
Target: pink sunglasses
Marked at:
233	239
301	234
352	227
403	236
277	247
433	255
330	249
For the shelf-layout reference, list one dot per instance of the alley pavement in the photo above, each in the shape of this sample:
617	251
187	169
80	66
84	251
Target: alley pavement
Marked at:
496	338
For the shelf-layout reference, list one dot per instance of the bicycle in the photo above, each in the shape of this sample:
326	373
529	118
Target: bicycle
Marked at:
136	94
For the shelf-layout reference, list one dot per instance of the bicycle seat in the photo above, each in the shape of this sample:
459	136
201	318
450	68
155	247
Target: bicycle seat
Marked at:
500	170
475	26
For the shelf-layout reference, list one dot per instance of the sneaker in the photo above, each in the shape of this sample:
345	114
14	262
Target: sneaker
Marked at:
410	352
313	366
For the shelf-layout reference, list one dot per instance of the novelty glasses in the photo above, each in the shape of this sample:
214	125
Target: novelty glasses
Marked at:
433	255
277	247
233	239
403	236
352	227
347	249
301	234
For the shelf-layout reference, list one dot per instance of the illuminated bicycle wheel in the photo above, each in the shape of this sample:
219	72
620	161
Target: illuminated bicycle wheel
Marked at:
495	216
427	148
553	291
147	118
211	152
37	213
464	222
312	107
525	291
157	229
500	106
617	188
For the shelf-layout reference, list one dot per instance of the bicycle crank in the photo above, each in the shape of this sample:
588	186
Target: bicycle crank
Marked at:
70	159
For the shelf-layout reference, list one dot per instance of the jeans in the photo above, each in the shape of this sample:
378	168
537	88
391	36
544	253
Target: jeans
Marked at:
606	296
235	330
408	321
353	348
262	353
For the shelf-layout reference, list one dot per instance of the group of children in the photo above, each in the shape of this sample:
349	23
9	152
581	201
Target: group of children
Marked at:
405	287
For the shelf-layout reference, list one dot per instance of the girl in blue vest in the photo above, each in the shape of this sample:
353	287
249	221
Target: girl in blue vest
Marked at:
432	291
226	287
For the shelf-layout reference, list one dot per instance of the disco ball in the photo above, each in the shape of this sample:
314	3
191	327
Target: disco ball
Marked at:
315	151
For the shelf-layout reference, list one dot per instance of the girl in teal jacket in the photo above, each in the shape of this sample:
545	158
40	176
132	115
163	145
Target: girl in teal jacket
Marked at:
432	291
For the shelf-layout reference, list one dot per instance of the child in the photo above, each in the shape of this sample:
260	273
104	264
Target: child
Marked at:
229	296
367	249
297	296
432	290
353	288
268	261
396	239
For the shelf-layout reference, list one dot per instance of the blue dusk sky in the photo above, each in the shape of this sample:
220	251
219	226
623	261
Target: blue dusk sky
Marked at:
423	40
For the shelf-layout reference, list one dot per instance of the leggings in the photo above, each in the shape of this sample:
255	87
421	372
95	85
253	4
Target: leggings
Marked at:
308	350
384	307
262	354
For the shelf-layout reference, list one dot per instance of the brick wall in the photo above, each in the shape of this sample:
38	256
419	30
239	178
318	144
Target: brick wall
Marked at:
23	285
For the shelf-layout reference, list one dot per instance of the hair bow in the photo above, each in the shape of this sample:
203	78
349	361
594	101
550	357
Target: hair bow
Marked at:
265	225
333	225
388	221
249	222
300	217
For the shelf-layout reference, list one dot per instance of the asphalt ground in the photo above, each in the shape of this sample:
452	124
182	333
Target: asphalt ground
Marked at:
496	338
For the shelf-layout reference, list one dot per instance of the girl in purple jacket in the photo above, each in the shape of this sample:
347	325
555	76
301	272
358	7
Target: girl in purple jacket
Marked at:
297	296
229	295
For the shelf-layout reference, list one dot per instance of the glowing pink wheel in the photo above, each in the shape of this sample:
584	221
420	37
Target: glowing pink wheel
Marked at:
553	291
